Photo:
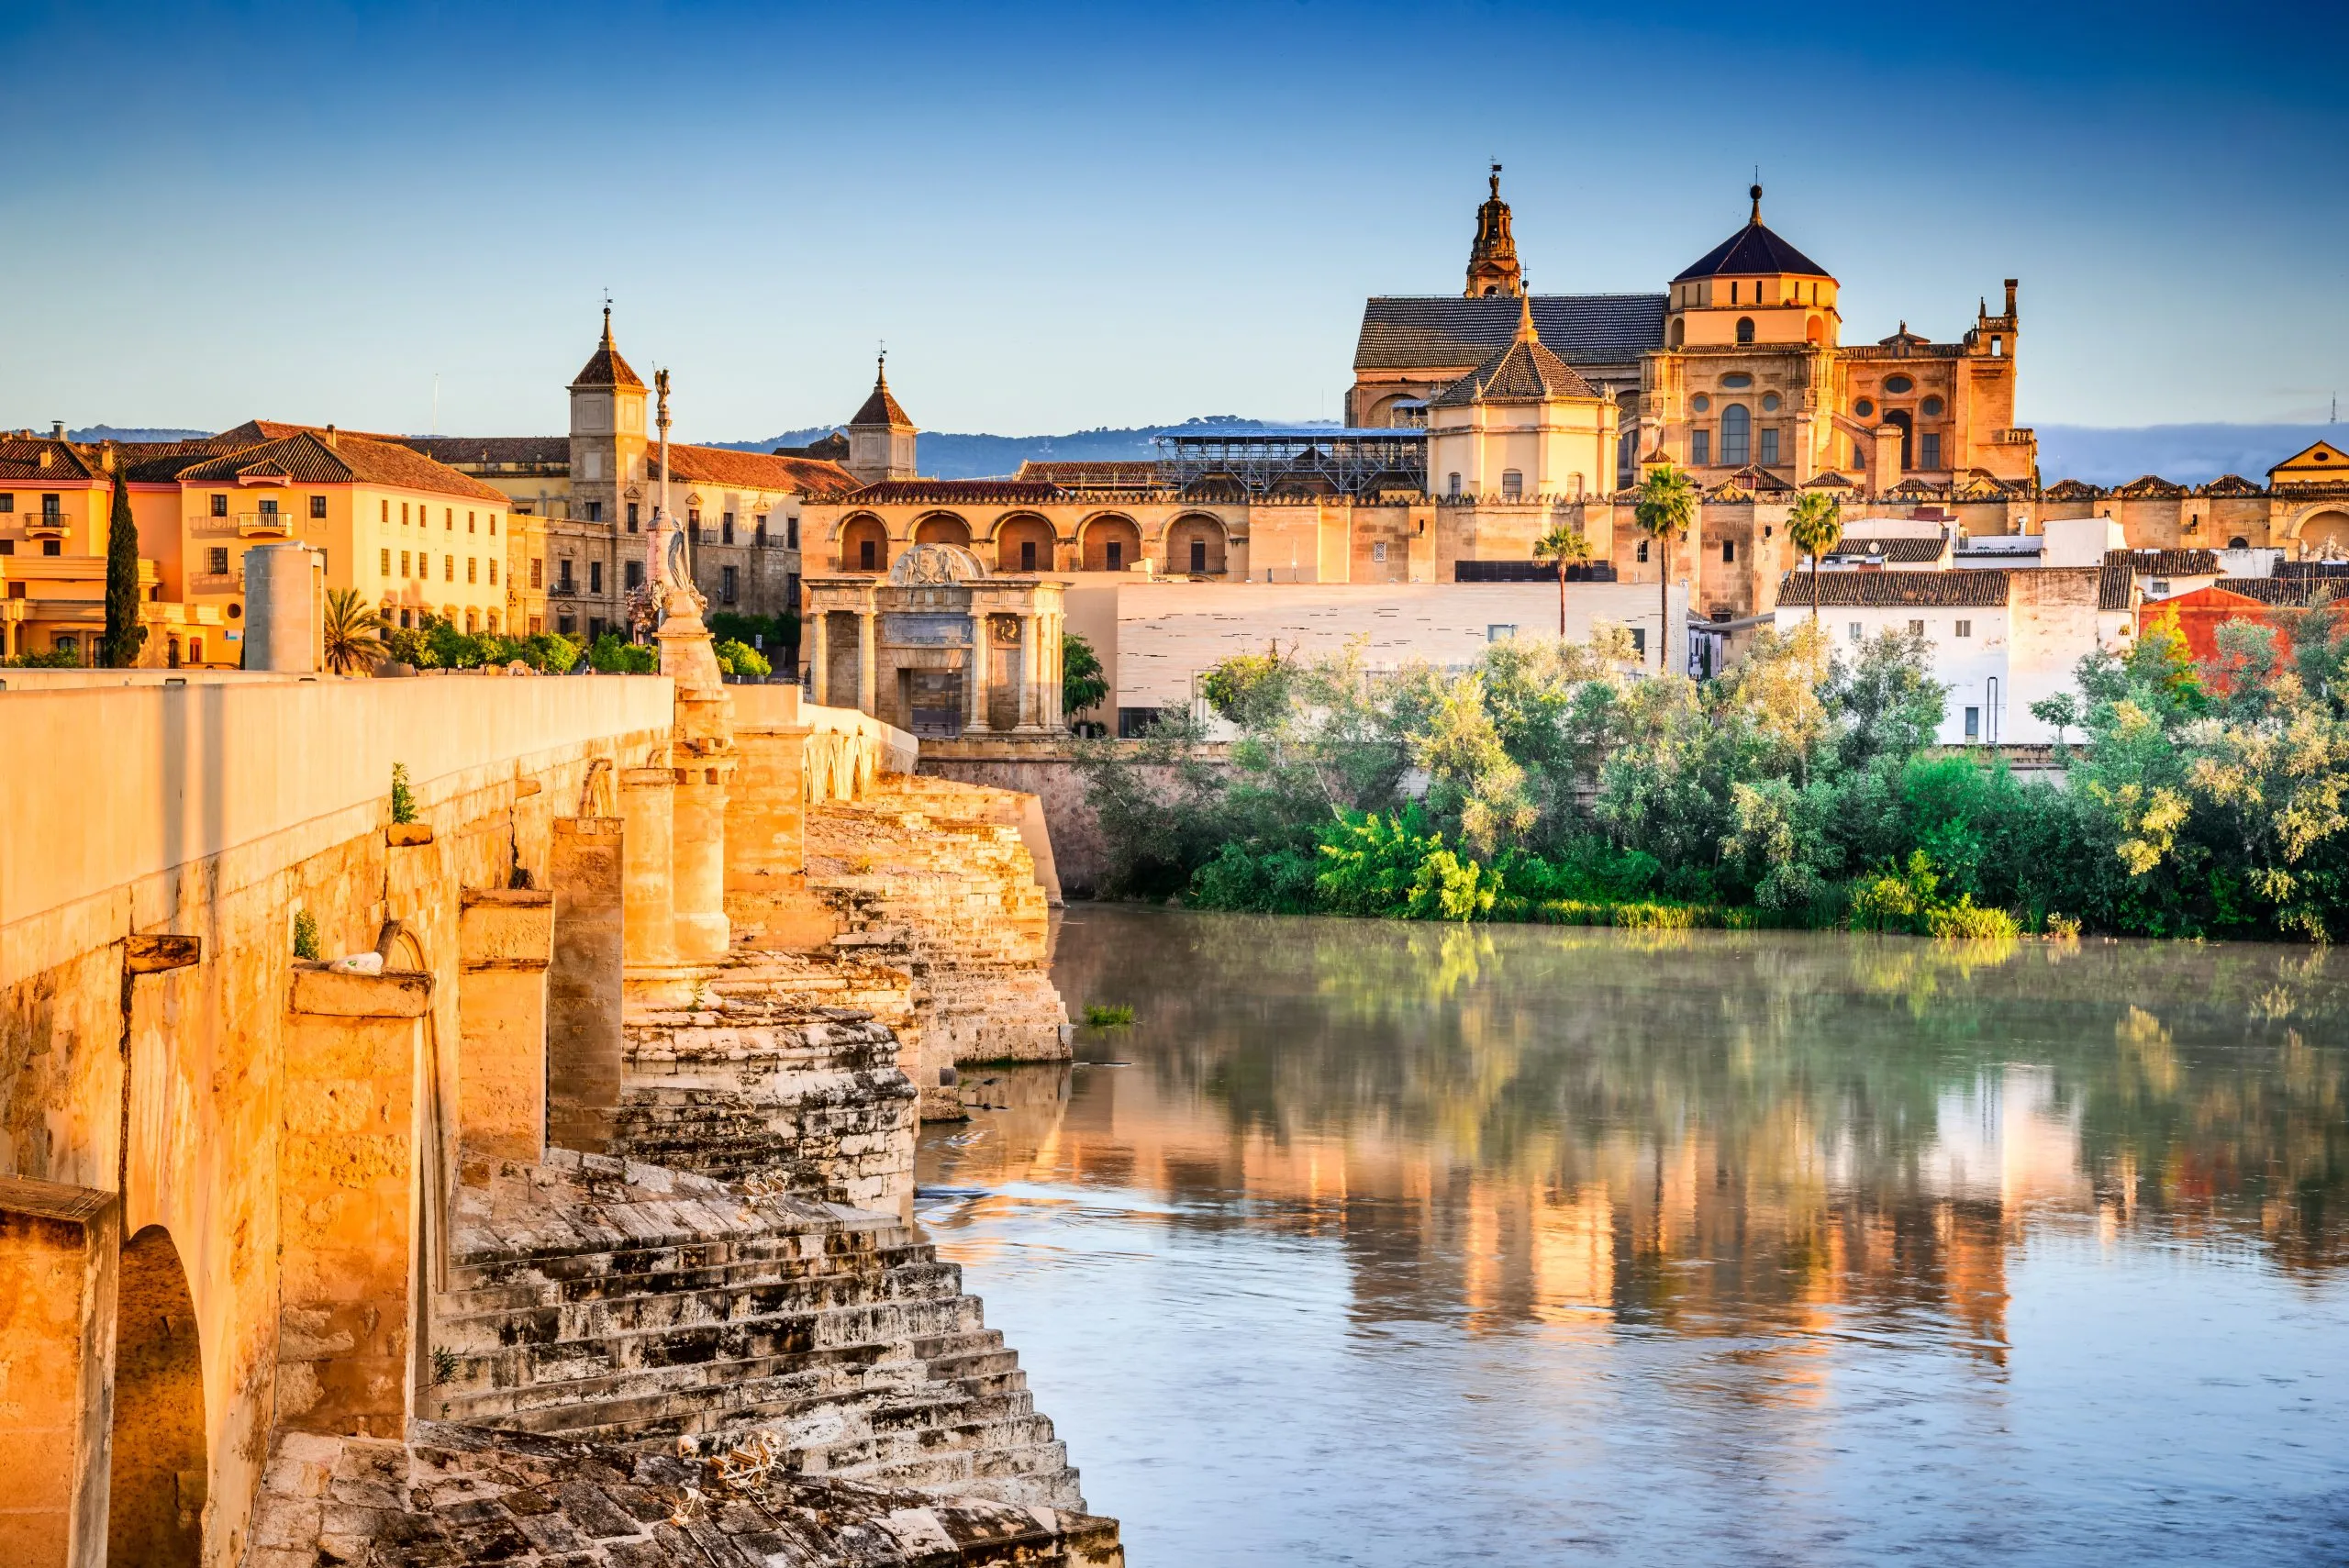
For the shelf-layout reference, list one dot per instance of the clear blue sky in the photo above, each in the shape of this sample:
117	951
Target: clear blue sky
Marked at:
1081	215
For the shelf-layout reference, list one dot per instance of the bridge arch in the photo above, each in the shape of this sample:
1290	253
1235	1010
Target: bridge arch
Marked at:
159	1466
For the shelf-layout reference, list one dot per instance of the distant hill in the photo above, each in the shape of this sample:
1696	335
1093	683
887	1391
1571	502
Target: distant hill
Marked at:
123	433
2184	454
945	455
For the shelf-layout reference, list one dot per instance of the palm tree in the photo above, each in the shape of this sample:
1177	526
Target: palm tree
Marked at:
350	632
1666	510
1815	525
1567	547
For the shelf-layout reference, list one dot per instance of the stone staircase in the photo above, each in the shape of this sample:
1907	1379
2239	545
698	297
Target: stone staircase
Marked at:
589	1297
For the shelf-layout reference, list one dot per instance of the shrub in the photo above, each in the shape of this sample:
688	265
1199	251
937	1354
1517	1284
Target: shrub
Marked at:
403	797
306	935
611	656
1108	1016
737	657
1963	918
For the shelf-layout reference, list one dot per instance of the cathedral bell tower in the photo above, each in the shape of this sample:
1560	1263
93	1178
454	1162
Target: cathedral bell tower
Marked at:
881	439
1492	260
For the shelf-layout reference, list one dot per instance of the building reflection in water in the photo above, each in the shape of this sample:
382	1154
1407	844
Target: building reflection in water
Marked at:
1776	1139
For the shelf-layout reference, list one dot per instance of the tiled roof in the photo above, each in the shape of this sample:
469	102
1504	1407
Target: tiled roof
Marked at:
827	448
1986	589
1753	249
2149	485
20	463
2071	490
605	367
955	492
2281	591
457	450
1521	372
309	458
1828	480
1443	332
881	407
751	471
1142	475
2228	485
1760	481
2169	563
2115	583
1900	549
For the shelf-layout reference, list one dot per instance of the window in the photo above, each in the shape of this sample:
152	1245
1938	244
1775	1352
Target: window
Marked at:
387	511
1114	554
403	571
1856	633
1642	556
1770	445
52	546
1512	484
1929	445
1640	641
7	503
635	574
1898	384
1744	326
538	572
318	507
726	528
468	522
727	591
1700	446
448	569
1729	551
864	553
473	569
493	524
1699	404
566	624
269	506
1027	555
1965	628
219	506
791	533
563	580
693	521
759	535
2238	543
1199	555
595	576
1736	381
1769	403
1931	407
387	563
595	511
631	517
7	546
1915	629
2158	587
215	560
1737	435
1973	724
1863	408
1502	632
1452	486
402	514
493	572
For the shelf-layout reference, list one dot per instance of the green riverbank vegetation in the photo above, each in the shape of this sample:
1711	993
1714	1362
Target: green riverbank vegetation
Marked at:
1549	783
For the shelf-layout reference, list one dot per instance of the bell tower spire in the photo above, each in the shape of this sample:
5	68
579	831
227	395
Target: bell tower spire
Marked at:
1492	260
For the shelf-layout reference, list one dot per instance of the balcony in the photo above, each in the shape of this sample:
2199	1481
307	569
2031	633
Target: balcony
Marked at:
264	525
217	582
47	525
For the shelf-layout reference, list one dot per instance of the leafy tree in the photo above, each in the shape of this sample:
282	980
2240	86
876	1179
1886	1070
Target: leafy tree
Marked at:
124	635
1666	510
737	657
611	656
1815	525
1247	688
1567	547
1082	683
353	630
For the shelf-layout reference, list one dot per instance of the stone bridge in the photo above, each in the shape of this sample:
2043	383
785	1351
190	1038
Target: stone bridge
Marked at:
512	1165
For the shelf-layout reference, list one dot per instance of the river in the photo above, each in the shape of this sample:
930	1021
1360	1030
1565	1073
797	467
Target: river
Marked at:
1382	1244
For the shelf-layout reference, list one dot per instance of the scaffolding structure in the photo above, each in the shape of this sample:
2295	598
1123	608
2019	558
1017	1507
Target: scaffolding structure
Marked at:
1262	461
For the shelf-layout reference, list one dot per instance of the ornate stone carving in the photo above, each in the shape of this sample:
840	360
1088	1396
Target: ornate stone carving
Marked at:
935	566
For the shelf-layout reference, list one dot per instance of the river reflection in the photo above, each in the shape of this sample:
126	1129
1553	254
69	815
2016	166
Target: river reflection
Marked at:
1391	1244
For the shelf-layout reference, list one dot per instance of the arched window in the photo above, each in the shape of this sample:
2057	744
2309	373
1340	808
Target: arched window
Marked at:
1737	435
1679	332
2238	543
1745	329
1815	332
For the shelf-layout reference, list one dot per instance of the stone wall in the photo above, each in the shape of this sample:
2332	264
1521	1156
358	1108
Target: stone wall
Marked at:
295	1146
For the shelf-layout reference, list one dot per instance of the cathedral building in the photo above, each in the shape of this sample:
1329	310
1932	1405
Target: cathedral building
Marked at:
1738	364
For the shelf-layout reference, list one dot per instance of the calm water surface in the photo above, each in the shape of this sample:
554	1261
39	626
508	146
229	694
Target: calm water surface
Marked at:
1396	1245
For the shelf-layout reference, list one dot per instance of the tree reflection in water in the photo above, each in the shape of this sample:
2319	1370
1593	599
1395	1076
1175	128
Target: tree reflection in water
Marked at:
1775	1143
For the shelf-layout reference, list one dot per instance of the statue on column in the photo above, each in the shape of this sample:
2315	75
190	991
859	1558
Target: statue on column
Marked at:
687	655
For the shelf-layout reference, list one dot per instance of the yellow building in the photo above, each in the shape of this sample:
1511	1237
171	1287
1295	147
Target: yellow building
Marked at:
413	536
1521	425
2322	463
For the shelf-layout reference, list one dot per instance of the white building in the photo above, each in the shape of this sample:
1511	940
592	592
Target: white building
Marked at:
2002	640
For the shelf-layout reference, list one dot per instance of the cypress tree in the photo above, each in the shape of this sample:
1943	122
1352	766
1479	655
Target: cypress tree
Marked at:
124	636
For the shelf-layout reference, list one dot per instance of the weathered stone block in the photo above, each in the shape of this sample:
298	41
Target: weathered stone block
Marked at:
59	1247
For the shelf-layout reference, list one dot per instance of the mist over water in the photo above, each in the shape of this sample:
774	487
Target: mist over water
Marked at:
1392	1244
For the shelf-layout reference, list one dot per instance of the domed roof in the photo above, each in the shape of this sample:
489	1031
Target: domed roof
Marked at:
1752	250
